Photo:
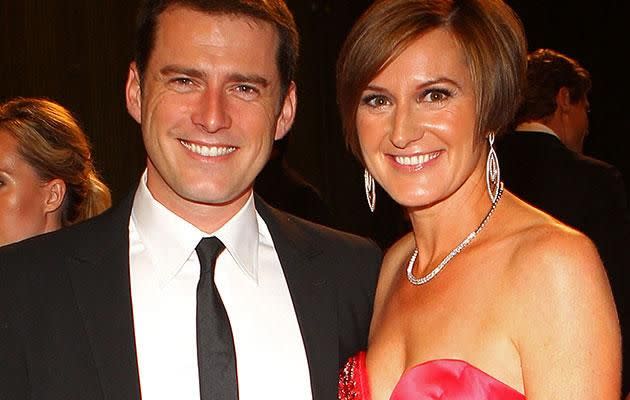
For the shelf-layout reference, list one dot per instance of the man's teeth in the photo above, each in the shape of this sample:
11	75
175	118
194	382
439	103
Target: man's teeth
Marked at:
208	151
415	160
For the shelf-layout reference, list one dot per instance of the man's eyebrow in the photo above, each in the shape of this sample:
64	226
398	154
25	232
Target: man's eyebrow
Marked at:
179	70
251	78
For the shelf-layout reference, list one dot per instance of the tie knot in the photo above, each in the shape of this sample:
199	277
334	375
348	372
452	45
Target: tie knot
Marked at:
208	250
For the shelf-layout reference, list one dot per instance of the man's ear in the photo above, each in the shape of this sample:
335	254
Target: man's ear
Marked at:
563	99
55	193
287	113
133	93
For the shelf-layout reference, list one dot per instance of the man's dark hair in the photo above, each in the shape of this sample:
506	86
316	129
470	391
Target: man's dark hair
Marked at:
272	11
547	72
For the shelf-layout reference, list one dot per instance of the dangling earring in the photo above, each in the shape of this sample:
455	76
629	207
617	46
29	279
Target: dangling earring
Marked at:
370	189
493	172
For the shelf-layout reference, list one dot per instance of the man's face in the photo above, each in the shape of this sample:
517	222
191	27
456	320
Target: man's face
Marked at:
210	107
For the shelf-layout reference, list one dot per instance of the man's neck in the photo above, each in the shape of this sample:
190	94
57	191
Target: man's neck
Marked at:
205	217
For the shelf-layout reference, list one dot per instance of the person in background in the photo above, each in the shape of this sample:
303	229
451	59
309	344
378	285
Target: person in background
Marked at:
192	287
555	100
283	187
47	174
487	297
543	163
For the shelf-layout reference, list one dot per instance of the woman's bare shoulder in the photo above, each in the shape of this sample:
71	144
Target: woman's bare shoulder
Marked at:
561	305
543	246
554	270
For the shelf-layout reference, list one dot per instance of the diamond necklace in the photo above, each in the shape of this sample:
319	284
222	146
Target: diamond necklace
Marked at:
454	252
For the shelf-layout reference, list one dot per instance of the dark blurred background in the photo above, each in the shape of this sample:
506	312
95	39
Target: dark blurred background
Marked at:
77	53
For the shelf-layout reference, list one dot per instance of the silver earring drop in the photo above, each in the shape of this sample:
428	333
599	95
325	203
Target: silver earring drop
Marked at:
370	189
493	172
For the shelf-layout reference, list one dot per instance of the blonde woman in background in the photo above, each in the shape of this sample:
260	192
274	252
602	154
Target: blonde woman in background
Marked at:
47	175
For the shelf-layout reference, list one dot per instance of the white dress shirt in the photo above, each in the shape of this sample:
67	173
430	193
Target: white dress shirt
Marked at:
535	127
164	271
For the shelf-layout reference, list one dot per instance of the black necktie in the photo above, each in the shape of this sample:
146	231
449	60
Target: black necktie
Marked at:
215	346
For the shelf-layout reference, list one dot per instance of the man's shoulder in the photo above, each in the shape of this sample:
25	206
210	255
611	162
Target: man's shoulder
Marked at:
295	231
598	166
604	180
549	150
349	260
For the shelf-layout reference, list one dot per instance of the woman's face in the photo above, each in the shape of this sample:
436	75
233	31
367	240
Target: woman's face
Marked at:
416	122
22	195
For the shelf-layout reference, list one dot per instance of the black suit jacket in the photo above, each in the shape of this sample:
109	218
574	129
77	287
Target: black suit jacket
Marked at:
66	323
580	191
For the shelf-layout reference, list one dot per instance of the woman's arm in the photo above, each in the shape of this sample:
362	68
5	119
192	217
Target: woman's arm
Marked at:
568	339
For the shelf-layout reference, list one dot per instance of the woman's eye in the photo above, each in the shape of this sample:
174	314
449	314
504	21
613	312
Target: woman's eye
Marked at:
376	101
434	96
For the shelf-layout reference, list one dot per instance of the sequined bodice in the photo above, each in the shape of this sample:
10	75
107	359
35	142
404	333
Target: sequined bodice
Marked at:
436	379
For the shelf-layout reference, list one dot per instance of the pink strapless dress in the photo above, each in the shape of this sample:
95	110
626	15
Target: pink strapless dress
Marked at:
437	379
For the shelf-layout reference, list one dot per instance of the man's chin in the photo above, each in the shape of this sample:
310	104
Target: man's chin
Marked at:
214	198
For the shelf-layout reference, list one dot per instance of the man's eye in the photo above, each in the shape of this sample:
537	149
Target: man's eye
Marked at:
246	89
183	81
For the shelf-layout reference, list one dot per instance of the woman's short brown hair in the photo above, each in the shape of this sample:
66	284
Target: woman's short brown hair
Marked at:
52	143
488	31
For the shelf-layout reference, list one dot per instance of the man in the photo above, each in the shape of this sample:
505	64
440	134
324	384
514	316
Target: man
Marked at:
542	163
109	308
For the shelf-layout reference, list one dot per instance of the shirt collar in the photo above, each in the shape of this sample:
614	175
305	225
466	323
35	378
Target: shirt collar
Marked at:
170	248
535	127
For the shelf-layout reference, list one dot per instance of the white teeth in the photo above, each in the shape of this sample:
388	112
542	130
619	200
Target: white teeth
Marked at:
415	160
208	151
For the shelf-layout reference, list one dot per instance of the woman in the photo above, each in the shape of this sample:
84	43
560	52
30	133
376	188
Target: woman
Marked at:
47	177
488	297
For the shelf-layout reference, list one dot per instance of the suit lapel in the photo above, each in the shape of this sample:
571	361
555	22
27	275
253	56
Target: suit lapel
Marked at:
100	278
312	296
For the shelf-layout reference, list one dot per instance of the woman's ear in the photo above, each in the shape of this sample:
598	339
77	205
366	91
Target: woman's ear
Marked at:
55	193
